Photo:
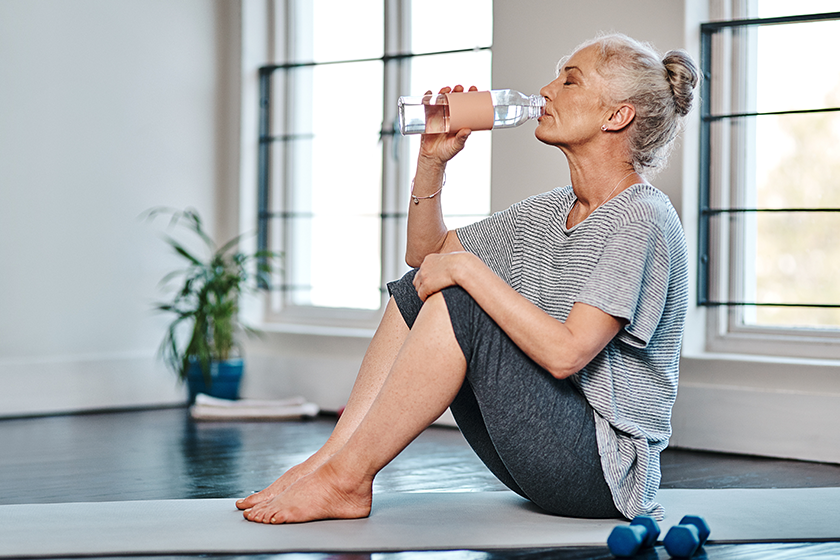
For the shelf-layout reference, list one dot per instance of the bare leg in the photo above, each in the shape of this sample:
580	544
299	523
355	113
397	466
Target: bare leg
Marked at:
378	360
426	376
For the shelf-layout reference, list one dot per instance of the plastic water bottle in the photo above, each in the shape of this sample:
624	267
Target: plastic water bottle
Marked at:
476	110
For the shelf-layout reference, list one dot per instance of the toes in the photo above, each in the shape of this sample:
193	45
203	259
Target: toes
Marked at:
246	503
278	518
251	515
252	500
264	514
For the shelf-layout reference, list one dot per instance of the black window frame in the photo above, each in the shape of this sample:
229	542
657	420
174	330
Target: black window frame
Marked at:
706	211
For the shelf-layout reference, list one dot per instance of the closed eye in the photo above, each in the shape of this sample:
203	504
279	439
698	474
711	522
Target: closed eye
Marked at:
571	71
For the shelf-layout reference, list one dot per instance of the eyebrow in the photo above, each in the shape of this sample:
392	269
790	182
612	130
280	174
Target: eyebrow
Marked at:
568	69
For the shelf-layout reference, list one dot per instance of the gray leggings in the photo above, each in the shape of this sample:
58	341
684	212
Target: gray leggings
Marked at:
534	432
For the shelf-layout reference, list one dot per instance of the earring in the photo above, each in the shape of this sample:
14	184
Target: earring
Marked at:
603	128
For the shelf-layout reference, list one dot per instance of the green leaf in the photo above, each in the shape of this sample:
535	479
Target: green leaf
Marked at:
229	245
204	307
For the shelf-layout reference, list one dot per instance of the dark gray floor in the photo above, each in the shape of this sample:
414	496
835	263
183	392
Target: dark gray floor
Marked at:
161	454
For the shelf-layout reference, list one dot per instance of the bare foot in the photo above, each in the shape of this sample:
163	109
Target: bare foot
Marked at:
279	486
324	494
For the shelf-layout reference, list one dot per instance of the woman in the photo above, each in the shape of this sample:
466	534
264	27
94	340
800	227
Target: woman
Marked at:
552	329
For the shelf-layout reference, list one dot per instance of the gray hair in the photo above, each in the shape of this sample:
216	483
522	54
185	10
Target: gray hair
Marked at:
660	89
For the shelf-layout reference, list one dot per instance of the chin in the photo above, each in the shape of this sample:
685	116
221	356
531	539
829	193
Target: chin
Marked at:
543	136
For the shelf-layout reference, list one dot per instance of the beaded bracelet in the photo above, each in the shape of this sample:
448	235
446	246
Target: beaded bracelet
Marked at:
434	194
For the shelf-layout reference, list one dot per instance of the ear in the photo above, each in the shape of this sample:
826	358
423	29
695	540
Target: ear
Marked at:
620	118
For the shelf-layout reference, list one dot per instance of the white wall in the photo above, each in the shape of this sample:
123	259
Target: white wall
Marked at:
106	109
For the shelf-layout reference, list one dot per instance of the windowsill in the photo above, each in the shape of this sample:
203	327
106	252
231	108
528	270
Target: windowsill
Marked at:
316	330
761	358
761	373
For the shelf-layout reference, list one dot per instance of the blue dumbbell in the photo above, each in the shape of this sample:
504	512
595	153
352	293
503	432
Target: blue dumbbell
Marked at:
683	540
627	540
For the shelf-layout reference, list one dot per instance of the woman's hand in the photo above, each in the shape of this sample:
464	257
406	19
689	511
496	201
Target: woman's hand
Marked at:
440	148
562	348
439	271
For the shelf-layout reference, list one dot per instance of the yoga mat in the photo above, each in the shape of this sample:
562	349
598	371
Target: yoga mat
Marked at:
399	521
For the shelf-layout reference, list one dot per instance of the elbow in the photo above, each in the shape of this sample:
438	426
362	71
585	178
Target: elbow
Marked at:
565	366
413	260
414	256
416	251
561	372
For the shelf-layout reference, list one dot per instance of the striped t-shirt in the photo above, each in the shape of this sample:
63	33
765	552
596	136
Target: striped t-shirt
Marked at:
628	258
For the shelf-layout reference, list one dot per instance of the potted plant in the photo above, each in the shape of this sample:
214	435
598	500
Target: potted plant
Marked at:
206	307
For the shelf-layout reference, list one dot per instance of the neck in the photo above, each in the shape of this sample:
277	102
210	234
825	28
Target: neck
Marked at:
596	167
594	191
595	186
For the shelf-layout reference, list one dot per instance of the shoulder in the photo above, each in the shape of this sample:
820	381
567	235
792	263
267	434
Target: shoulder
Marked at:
644	206
561	196
543	208
536	209
646	202
640	225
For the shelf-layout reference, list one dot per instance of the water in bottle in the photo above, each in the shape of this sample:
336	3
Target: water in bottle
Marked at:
476	110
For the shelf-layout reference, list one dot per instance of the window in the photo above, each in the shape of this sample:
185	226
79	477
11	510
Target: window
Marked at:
769	265
334	176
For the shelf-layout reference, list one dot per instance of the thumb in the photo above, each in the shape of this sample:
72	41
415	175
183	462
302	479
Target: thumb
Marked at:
461	137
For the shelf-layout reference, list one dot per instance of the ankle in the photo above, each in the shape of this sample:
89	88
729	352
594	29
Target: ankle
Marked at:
347	474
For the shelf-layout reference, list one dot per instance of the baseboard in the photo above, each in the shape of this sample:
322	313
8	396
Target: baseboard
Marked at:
775	409
324	380
58	385
772	409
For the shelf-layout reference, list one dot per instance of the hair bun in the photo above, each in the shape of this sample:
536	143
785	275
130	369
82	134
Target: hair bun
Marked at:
683	77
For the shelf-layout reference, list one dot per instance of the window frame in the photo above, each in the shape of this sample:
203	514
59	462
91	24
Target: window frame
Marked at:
396	165
720	251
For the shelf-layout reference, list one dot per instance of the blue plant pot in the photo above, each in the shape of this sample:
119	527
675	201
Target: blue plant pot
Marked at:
225	378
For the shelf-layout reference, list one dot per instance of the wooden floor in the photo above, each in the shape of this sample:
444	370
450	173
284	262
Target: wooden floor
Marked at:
162	454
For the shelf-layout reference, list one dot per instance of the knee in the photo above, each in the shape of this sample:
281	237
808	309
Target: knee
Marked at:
436	305
458	298
404	284
405	297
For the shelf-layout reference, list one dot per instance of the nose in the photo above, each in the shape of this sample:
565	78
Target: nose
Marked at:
547	90
544	91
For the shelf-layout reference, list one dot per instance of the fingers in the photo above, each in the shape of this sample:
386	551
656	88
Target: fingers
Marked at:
433	275
457	89
418	284
420	292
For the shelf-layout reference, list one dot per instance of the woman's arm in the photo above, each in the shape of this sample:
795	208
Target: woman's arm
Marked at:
427	232
562	348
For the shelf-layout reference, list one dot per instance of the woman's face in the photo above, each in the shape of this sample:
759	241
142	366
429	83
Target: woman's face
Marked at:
574	110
